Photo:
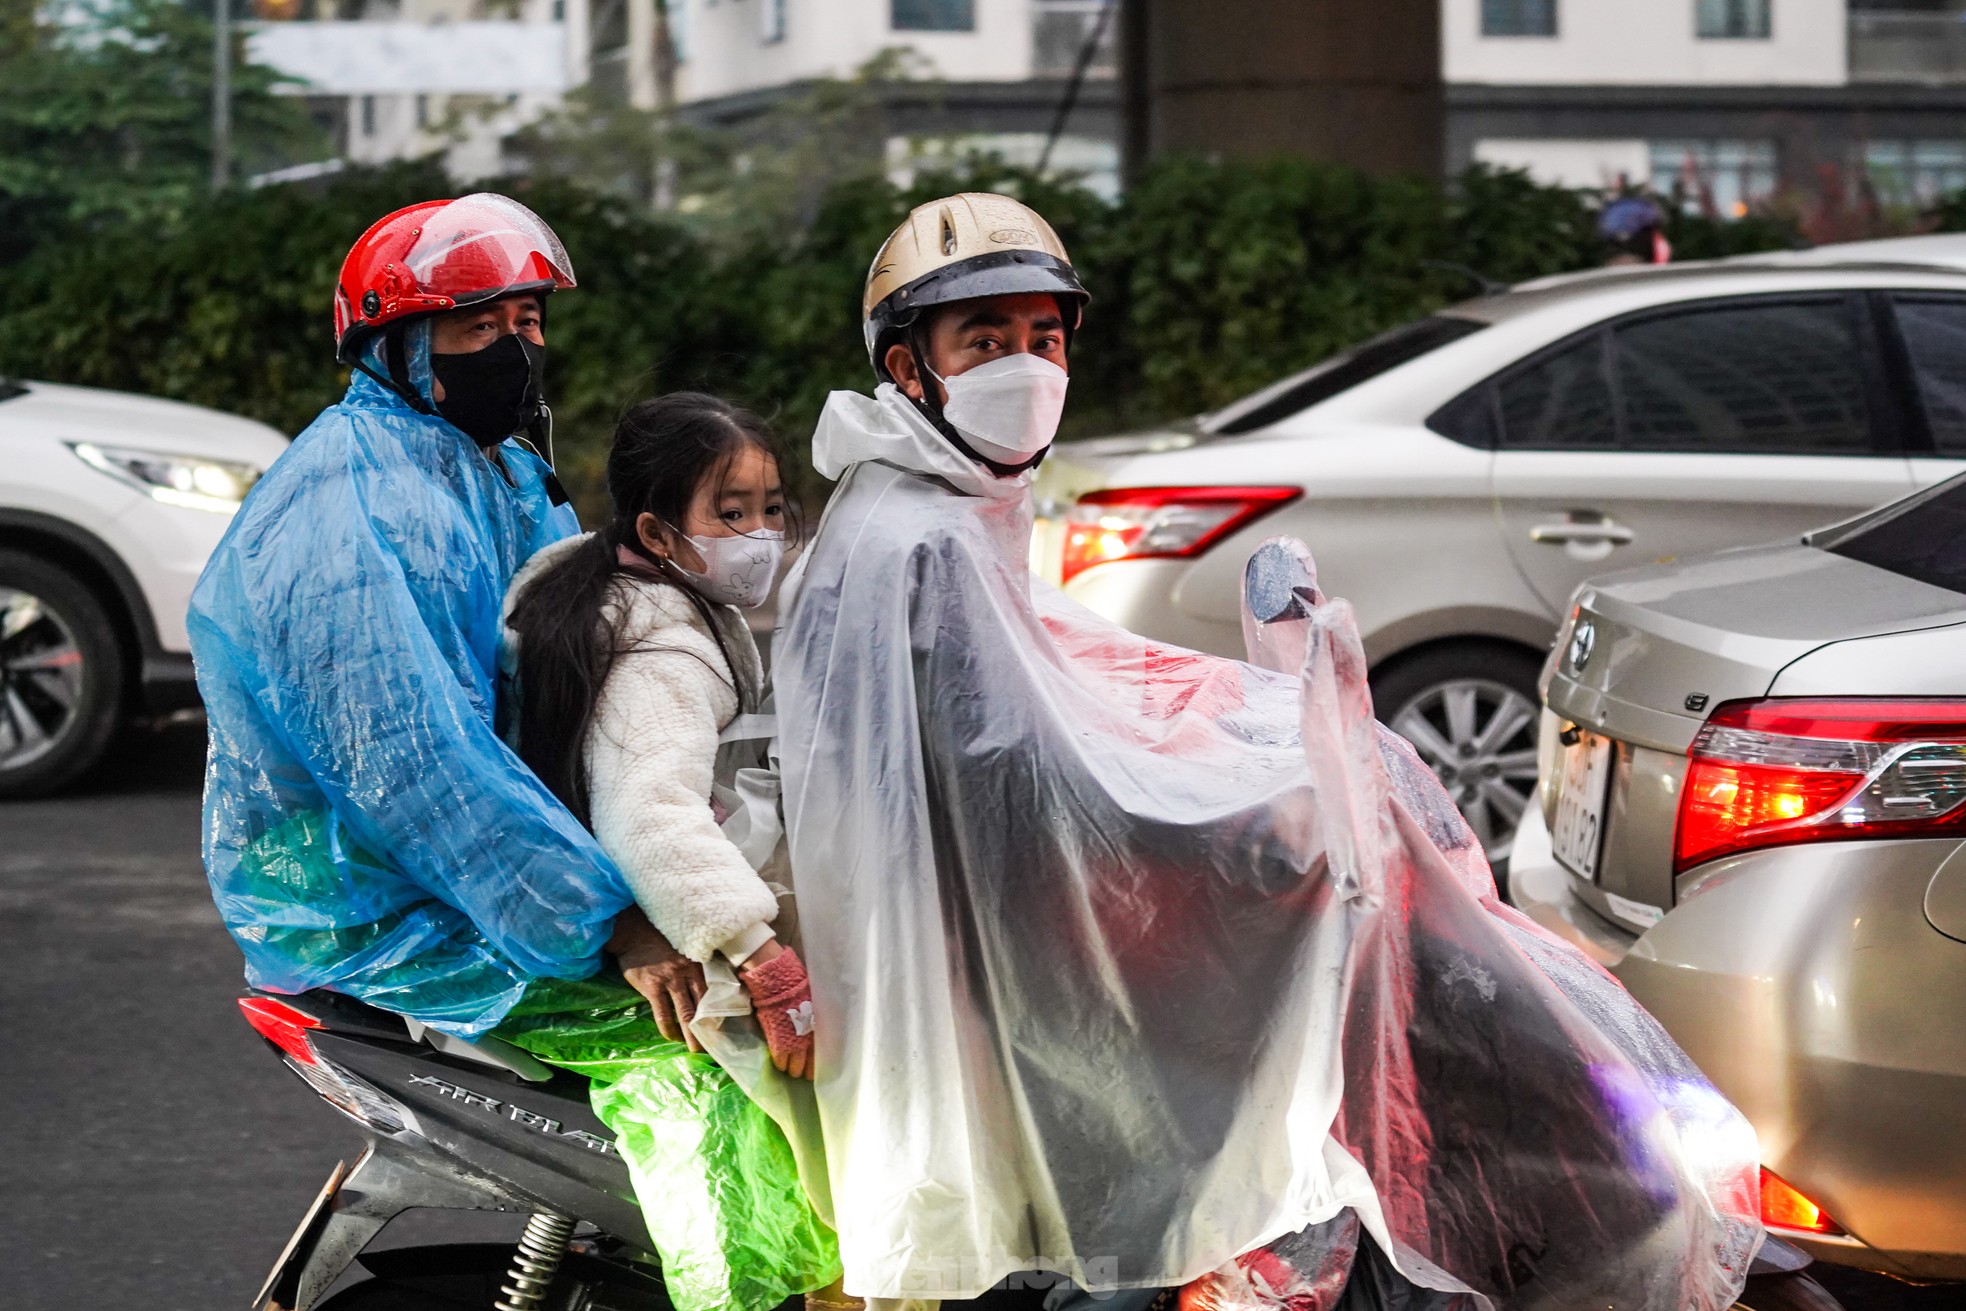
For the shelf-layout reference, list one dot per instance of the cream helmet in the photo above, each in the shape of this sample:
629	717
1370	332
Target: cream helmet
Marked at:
959	248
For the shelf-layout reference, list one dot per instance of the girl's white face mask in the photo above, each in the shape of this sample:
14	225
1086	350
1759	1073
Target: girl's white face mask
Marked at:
1007	409
736	570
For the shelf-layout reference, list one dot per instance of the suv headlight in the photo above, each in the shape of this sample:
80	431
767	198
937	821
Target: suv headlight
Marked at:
187	480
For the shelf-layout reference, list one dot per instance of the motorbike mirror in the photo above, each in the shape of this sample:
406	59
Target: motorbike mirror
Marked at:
1280	583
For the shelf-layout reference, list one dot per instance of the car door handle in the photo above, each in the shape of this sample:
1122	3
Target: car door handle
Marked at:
1562	533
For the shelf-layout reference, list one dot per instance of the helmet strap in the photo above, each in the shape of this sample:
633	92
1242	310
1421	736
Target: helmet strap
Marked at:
397	381
932	411
388	383
396	351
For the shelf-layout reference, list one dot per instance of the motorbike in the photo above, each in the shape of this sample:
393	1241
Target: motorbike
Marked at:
485	1126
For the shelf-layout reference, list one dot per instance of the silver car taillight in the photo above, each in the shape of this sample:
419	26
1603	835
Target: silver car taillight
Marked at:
1813	769
1142	523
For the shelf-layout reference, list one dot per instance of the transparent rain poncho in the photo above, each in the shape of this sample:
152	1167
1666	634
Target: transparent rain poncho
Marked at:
1129	961
365	828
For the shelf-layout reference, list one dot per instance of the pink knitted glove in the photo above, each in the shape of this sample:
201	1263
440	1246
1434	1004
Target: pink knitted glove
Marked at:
782	996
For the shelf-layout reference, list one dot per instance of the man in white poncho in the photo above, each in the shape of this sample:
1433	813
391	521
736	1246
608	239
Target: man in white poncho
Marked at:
1140	965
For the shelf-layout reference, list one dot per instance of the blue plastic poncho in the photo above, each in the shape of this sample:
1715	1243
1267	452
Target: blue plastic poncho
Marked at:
366	829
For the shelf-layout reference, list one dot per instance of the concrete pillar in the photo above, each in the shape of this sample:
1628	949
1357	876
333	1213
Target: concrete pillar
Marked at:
641	54
1354	83
578	21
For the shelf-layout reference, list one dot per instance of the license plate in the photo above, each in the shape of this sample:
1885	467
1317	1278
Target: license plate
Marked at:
1577	836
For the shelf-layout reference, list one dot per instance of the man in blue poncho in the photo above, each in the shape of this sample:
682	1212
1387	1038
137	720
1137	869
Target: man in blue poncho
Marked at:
367	830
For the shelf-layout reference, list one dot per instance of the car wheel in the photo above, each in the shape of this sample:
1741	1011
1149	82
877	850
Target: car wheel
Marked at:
61	676
1787	1291
1470	709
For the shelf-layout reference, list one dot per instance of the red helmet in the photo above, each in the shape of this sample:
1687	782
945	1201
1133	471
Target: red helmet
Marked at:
438	256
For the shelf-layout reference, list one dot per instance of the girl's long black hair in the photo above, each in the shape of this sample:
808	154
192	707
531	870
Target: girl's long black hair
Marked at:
664	451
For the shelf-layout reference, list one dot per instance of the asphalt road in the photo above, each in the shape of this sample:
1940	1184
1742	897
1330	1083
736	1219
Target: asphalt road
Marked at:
154	1155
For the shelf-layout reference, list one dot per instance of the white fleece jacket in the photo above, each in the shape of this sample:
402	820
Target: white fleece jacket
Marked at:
651	754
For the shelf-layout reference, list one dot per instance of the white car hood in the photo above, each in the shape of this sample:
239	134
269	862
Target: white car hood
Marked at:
137	422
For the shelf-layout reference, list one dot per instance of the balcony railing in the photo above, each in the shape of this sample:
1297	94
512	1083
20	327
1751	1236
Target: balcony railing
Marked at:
1907	47
1062	28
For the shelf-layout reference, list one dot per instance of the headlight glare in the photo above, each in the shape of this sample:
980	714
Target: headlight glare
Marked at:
191	481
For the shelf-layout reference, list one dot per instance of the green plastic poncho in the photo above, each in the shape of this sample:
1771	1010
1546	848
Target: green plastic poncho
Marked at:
715	1175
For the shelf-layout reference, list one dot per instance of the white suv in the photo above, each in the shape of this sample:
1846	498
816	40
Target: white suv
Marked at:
1459	476
109	506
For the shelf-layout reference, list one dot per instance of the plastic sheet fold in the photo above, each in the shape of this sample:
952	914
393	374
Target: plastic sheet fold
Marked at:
1129	962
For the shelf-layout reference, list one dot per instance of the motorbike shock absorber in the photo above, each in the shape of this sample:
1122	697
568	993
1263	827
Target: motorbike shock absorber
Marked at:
536	1262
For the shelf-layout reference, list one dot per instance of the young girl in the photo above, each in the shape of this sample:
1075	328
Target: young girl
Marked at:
633	659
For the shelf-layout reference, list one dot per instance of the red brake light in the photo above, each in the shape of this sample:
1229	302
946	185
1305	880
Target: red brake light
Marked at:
1810	769
1783	1207
1137	523
281	1025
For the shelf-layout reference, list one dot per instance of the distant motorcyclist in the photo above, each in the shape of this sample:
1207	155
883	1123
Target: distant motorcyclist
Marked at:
1633	230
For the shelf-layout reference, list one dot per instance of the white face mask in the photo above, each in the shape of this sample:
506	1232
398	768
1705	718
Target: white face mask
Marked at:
736	570
1007	409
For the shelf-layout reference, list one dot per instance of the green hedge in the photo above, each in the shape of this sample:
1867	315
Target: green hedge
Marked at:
1209	280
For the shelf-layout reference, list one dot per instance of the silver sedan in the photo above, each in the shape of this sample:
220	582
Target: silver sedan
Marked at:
1459	476
1753	792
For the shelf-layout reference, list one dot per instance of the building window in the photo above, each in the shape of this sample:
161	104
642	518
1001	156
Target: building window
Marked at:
368	116
932	15
1722	178
1518	17
1733	19
1915	174
423	111
1060	29
771	19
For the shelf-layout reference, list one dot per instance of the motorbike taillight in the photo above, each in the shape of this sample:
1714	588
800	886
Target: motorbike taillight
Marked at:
287	1028
281	1025
351	1096
1813	769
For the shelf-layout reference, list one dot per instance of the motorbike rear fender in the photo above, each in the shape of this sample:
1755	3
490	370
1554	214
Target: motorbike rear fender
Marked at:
393	1175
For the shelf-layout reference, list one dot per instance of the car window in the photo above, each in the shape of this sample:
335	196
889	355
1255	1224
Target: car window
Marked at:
1341	372
1469	418
1922	537
1781	377
1561	402
1935	334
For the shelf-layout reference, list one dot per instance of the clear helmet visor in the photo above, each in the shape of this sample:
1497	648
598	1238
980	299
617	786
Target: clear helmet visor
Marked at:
483	246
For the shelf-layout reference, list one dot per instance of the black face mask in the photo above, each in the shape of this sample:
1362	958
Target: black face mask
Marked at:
492	393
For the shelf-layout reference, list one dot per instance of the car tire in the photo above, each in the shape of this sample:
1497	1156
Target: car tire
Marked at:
1787	1291
1471	710
62	676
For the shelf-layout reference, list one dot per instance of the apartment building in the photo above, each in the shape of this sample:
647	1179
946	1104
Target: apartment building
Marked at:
396	79
1724	103
996	71
409	77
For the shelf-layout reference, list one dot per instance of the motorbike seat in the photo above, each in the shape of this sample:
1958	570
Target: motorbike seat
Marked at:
340	1013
